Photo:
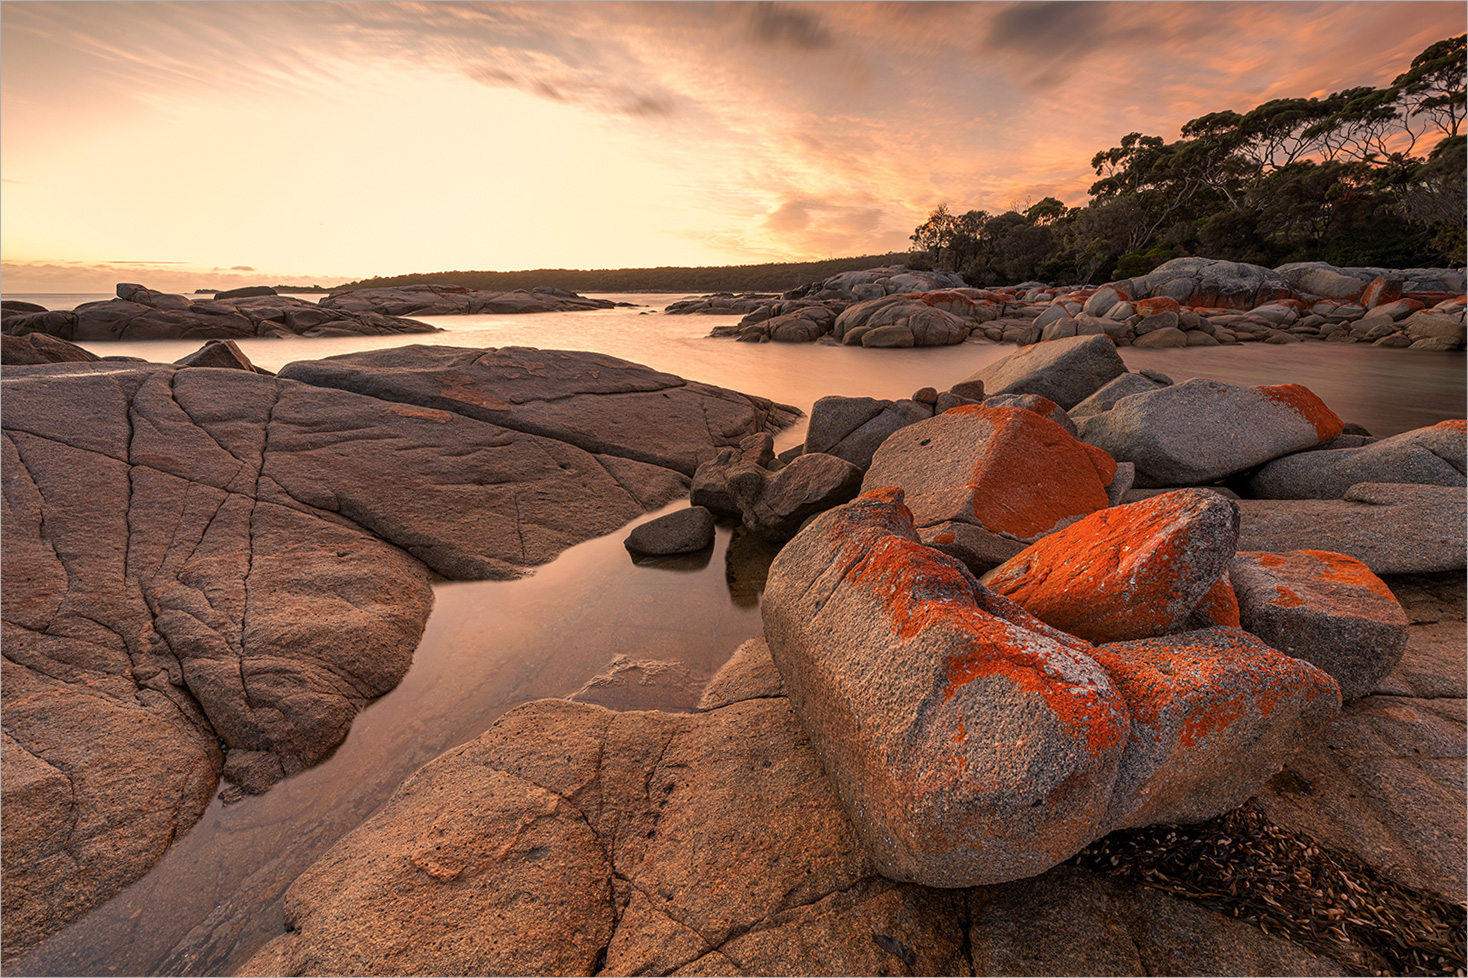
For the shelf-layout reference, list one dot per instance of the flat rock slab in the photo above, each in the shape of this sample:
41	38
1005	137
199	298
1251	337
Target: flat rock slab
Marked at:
209	572
1432	456
595	402
1392	528
452	300
1202	430
143	314
685	531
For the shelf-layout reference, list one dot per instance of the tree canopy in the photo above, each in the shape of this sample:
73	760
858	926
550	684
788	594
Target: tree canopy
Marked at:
1364	176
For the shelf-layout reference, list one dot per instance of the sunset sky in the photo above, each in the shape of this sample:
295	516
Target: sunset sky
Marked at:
197	144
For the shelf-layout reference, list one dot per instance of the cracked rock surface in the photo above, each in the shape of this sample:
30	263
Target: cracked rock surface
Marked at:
210	572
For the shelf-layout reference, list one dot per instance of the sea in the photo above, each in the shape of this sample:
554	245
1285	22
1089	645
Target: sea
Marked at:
215	897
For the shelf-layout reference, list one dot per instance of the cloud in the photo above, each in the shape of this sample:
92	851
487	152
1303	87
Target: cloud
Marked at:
814	225
782	25
570	88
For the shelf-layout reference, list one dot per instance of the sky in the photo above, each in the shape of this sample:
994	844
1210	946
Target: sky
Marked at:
217	144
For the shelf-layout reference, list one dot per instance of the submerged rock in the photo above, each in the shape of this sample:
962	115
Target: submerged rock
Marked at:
686	531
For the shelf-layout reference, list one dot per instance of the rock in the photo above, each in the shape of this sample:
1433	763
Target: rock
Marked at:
40	348
901	320
876	282
721	303
219	353
1164	336
1114	390
774	506
16	307
1066	371
853	428
1210	282
686	531
1132	571
196	558
626	683
891	653
1391	528
1429	325
1202	430
140	314
451	300
1074	922
595	402
1005	471
749	674
1042	406
248	292
710	487
1325	608
1431	456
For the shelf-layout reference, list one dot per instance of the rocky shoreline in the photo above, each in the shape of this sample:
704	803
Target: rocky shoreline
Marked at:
1058	600
1184	302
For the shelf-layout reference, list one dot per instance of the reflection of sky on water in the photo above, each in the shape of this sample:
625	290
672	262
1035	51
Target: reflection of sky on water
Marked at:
215	897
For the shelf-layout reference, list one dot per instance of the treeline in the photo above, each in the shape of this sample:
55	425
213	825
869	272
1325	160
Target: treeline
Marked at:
1366	176
773	277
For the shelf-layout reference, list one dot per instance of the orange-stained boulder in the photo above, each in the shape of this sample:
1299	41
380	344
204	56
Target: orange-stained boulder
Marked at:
1220	606
980	473
1134	571
1212	713
1325	608
969	742
1157	304
1382	290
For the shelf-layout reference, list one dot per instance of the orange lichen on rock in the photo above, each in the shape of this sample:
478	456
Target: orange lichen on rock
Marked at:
1307	405
1128	572
1025	480
1454	424
1285	598
1341	569
1158	304
1220	605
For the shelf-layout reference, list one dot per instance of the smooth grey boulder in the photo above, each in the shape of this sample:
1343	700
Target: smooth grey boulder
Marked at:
901	320
1432	456
1123	386
1202	430
853	428
1325	608
1042	406
451	300
686	531
248	292
224	354
1210	282
1391	528
1067	371
710	488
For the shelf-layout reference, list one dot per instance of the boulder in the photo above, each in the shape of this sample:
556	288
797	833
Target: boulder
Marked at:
774	506
1202	430
1162	337
1391	528
891	318
1325	608
1066	371
721	304
1114	390
247	292
1004	471
225	354
854	427
710	487
41	348
686	531
749	674
1042	406
595	402
1213	712
891	654
1210	282
1133	571
1432	456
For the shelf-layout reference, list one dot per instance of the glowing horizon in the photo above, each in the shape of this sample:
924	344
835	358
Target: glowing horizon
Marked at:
191	145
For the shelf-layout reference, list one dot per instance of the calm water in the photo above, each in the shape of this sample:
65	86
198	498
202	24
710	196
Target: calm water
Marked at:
215	897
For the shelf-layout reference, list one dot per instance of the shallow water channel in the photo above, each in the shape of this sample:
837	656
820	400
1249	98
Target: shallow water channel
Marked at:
216	896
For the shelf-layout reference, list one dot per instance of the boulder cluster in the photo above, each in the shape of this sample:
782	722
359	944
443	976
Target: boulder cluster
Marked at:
1184	302
140	313
454	300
